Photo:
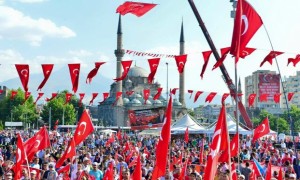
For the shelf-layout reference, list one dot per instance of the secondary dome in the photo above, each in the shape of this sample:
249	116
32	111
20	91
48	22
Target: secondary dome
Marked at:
137	72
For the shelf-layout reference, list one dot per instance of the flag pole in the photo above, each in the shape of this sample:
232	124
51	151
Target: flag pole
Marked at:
228	140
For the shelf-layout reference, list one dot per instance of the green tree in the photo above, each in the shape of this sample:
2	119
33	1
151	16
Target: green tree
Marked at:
295	116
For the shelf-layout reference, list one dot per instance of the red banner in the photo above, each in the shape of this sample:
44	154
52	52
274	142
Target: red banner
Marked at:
269	84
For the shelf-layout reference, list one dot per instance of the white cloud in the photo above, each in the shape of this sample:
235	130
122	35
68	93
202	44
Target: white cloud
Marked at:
1	2
80	53
15	25
30	1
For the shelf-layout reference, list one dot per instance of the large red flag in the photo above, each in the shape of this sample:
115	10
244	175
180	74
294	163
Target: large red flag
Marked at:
93	72
224	52
163	144
158	93
246	25
74	73
27	95
277	97
290	96
70	152
280	174
146	94
224	96
180	62
81	96
23	71
52	97
206	55
186	135
39	97
47	69
84	127
136	8
94	95
13	94
210	97
105	96
269	58
198	93
126	66
65	169
20	157
137	173
294	60
68	98
234	150
269	171
251	99
261	130
153	63
233	172
109	173
263	97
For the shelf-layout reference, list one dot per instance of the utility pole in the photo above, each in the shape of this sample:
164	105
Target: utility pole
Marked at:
49	119
63	116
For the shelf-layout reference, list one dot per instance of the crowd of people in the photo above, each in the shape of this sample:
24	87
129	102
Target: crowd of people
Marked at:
186	160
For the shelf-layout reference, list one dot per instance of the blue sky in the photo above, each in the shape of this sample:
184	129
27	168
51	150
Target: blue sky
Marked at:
69	31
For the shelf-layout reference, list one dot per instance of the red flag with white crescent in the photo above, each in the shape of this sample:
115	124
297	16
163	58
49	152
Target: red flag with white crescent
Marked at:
65	169
263	97
146	94
294	60
137	173
84	127
269	58
233	172
261	130
13	94
136	8
39	97
277	97
158	93
251	99
210	97
153	63
74	73
81	96
27	95
52	97
23	71
225	95
198	93
206	55
68	98
191	93
47	69
94	95
126	66
105	96
246	52
290	96
93	72
234	150
70	152
20	158
180	62
224	52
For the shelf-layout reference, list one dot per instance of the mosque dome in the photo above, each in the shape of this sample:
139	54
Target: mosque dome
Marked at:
148	102
176	103
157	102
137	72
135	102
126	100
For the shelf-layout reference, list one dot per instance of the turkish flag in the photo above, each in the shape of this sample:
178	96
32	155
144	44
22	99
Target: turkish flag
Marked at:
13	94
186	135
198	93
191	92
126	66
246	52
218	146
280	174
81	96
109	173
20	157
84	127
74	73
173	91
47	69
269	172
206	55
233	172
105	96
68	98
27	95
183	171
39	97
93	72
118	95
129	93
70	152
263	97
290	96
224	52
246	23
38	171
277	97
269	58
23	71
136	8
137	173
146	94
65	169
210	97
225	95
251	99
180	62
294	60
163	144
158	93
52	97
153	63
234	150
94	95
261	130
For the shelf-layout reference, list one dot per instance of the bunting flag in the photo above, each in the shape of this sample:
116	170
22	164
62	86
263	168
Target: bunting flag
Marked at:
136	8
206	55
84	127
263	97
81	96
210	97
224	96
180	62
261	130
69	153
126	66
94	95
118	95
224	52
129	93
146	95
198	93
191	93
105	96
137	173
27	95
153	63
186	135
277	97
13	94
52	97
290	96
246	52
251	100
47	69
93	72
20	158
294	60
163	144
269	58
23	71
74	73
173	91
39	97
68	98
158	93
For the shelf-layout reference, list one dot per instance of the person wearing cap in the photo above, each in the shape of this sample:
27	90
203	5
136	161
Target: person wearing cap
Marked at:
33	175
52	174
86	164
95	172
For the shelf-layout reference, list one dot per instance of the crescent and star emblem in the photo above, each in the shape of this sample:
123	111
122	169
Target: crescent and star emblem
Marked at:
24	72
47	72
214	152
154	65
245	20
263	128
181	64
233	146
76	72
38	142
69	149
84	124
245	53
165	120
19	155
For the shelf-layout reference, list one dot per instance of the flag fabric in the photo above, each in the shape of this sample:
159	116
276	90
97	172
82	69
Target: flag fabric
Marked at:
261	130
23	71
280	174
40	94
246	24
153	63
69	153
119	135
294	60
68	98
65	169
224	52
47	69
246	52
52	97
277	97
186	135
137	173
126	66
269	172
183	171
136	8
224	96
109	173
201	152
234	149
173	91
118	95
13	94
105	96
163	144
198	93
81	96
191	93
94	95
129	93
251	100
263	97
180	62
27	95
257	168
290	96
206	55
84	127
20	157
1	91
269	58
233	172
210	97
93	72
158	93
146	95
74	73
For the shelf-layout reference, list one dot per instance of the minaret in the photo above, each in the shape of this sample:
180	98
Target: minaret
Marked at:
181	76
119	52
239	87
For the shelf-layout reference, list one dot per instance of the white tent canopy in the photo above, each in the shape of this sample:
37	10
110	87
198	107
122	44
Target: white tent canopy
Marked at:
180	126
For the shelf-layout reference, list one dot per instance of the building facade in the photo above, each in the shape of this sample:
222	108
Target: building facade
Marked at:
292	84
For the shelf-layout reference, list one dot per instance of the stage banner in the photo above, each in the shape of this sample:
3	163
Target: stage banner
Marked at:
146	118
269	84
